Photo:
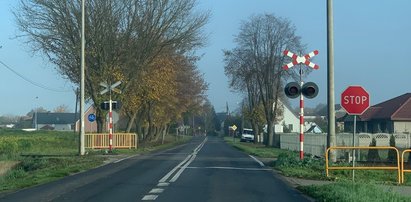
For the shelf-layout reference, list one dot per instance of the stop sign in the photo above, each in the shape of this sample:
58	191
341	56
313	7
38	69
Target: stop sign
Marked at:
355	100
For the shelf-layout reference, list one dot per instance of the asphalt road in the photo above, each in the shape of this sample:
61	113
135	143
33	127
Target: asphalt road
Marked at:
206	169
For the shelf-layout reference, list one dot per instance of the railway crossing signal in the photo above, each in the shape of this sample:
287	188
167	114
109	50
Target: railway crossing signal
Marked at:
294	89
300	59
111	104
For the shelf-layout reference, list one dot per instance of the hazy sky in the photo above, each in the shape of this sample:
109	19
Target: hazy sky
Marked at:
372	40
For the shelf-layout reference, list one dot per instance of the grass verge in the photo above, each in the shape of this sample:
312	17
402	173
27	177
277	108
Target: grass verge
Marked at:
33	158
289	164
348	191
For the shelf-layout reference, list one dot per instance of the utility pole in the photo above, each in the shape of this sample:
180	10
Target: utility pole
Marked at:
81	140
331	139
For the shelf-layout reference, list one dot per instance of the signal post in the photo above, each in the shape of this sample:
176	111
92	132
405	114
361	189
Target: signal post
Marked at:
293	89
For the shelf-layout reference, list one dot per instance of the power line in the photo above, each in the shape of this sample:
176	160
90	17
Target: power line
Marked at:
32	82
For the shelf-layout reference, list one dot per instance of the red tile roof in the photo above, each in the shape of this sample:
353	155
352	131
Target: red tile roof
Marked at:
398	108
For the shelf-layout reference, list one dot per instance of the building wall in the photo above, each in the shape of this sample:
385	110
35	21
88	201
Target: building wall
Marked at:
378	126
63	127
402	127
58	127
289	118
89	127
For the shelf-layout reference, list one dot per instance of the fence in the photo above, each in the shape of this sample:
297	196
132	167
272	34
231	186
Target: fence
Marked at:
397	167
120	141
316	144
403	170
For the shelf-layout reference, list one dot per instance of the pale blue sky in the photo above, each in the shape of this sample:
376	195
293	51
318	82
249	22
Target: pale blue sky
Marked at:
372	40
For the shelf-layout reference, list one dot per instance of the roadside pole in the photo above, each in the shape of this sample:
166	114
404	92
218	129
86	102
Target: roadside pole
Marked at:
110	124
301	117
82	85
331	139
355	100
353	144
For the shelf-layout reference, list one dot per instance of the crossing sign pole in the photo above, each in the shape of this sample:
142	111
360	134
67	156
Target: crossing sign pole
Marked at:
295	61
109	88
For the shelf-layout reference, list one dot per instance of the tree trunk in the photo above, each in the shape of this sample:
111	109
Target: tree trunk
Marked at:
163	134
99	120
130	122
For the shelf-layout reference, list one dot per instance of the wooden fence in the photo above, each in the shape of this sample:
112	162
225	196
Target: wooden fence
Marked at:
101	141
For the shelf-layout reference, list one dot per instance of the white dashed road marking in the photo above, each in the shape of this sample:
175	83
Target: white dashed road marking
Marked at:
180	167
149	197
156	191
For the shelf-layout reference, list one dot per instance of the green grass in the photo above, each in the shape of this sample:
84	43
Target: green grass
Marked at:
348	191
258	150
44	156
38	170
14	143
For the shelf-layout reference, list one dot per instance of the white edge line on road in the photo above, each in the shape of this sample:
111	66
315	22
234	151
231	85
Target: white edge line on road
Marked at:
231	168
124	159
258	161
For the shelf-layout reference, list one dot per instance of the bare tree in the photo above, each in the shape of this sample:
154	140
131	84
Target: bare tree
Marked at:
122	37
243	78
264	38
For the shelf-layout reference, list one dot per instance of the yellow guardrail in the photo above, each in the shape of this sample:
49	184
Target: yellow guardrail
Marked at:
403	170
398	167
101	141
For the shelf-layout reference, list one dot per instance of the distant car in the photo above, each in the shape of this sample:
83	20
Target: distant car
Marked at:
247	135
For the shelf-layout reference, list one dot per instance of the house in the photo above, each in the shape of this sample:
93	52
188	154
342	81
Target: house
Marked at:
89	126
64	121
54	121
290	122
391	116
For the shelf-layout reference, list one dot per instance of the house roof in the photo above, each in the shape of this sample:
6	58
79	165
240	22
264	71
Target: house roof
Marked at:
398	108
56	118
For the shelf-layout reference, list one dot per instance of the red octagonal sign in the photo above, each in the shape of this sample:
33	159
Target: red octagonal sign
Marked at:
355	100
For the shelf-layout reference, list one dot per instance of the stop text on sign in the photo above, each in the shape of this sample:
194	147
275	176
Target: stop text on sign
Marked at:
352	99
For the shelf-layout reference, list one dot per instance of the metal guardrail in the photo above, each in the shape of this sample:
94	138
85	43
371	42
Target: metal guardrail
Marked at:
101	141
403	170
398	167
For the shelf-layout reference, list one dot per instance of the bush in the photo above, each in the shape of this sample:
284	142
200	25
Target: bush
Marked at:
8	148
309	167
373	155
392	154
32	164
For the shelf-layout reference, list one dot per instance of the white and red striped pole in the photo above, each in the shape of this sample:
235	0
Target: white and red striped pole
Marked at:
301	123
110	125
